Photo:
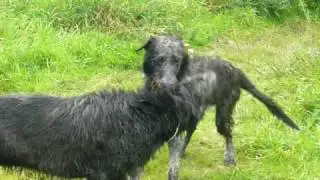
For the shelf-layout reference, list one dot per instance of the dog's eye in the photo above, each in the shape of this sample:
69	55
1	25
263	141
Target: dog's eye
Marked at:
175	60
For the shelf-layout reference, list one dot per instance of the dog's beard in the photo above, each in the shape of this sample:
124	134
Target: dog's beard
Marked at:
155	85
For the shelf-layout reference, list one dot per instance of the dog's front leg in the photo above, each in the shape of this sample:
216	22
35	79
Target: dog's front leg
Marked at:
175	150
135	174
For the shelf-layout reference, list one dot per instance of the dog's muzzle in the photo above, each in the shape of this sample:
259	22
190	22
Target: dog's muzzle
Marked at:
155	85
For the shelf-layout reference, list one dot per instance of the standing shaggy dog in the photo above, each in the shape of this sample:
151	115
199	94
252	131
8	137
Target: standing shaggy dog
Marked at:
104	135
166	62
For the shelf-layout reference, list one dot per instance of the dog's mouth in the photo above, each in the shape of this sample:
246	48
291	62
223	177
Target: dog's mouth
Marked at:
155	85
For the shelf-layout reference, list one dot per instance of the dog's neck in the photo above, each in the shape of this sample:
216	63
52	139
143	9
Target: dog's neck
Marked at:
202	84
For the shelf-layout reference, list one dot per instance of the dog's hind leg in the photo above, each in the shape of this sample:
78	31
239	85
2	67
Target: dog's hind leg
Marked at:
224	122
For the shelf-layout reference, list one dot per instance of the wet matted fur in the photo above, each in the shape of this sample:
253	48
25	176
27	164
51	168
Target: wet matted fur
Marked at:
166	62
103	135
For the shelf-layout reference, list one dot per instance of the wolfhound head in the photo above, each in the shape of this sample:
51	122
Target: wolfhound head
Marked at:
165	60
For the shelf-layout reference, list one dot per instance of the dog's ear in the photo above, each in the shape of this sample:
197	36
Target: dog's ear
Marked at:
145	46
184	66
196	112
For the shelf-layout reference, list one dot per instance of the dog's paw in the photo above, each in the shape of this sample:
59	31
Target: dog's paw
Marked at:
230	161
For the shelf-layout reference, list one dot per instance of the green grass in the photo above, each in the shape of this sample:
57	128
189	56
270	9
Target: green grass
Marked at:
72	47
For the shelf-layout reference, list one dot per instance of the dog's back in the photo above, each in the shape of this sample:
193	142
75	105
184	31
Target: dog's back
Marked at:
69	137
214	76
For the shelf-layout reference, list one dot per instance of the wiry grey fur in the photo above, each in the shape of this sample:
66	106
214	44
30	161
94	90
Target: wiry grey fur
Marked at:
166	62
104	135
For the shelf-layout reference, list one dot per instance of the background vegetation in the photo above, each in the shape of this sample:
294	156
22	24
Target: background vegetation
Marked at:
69	47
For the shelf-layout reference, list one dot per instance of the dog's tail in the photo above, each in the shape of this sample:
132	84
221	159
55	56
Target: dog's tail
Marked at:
273	107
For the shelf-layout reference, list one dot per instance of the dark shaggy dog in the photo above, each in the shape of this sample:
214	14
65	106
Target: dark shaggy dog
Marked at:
104	135
166	62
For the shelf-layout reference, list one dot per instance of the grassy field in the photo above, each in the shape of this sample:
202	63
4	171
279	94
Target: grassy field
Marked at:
71	47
